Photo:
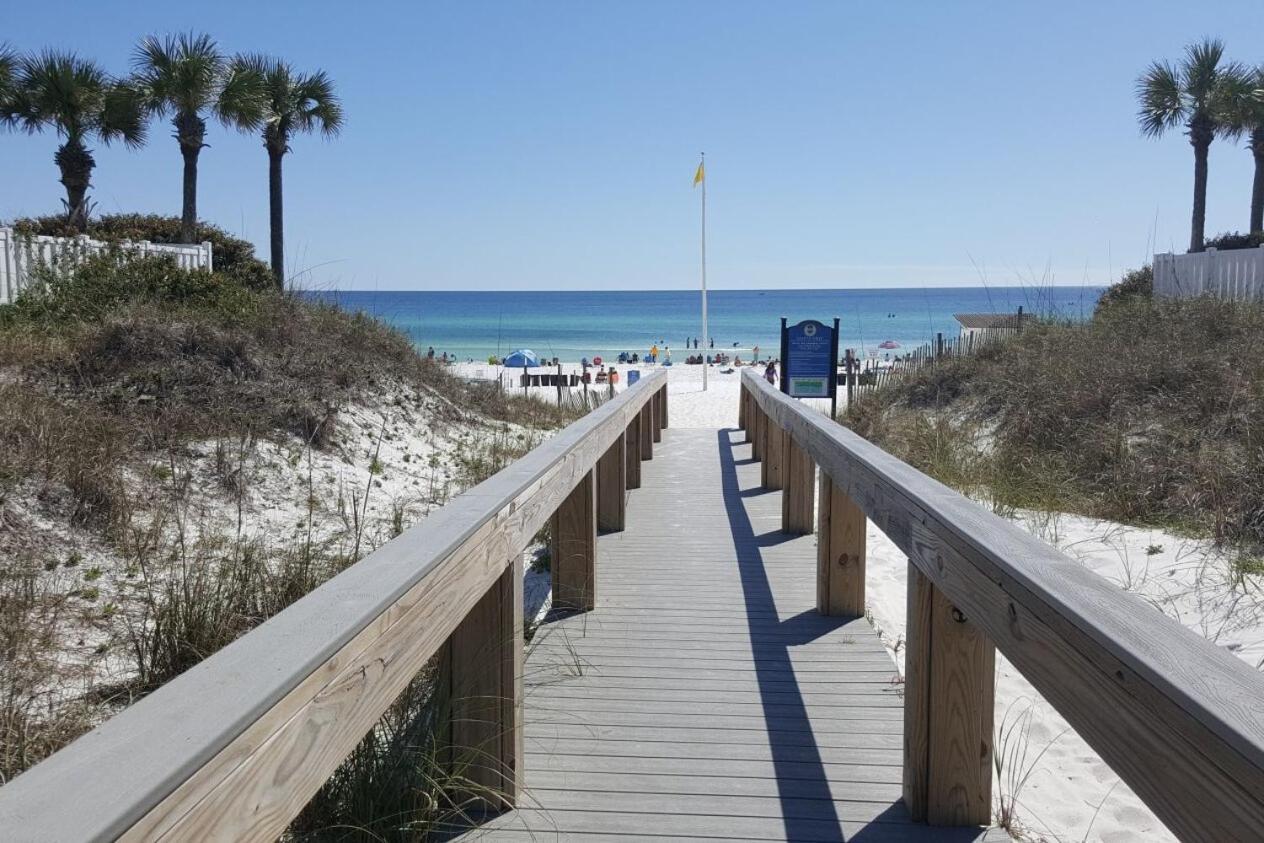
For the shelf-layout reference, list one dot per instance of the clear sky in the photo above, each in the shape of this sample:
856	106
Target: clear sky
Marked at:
552	145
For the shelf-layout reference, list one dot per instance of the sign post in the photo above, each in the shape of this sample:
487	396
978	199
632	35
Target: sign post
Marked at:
809	355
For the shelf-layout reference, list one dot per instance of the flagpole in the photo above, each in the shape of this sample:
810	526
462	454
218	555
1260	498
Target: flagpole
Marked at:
706	337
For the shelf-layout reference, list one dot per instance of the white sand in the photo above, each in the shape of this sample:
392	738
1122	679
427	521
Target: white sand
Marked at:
1069	792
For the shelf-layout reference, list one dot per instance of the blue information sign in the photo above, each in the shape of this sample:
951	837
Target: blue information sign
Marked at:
808	357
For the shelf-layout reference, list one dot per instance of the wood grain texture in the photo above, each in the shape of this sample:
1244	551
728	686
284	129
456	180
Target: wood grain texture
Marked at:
656	416
742	400
234	748
798	503
703	699
612	480
841	553
1175	716
962	676
647	431
772	466
484	667
917	699
573	552
662	409
758	426
632	447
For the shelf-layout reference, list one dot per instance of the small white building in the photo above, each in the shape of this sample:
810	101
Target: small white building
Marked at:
980	325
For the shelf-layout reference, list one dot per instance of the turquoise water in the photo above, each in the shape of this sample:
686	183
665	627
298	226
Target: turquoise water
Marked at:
571	325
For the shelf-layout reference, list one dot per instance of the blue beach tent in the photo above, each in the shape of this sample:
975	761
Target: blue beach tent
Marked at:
521	359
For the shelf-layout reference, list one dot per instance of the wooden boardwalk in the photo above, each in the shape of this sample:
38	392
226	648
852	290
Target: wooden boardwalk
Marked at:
704	697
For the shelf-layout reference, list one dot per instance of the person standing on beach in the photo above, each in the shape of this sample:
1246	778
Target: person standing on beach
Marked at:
770	373
654	353
755	351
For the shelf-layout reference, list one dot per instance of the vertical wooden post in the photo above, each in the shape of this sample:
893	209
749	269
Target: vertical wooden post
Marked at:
840	553
647	431
799	498
948	705
741	411
758	423
483	672
612	481
656	415
772	469
632	448
573	554
662	408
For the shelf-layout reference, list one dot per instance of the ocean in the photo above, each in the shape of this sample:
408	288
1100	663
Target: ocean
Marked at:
571	325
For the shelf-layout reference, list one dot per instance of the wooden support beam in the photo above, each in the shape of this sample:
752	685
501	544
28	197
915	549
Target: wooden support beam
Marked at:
742	400
632	448
612	471
647	431
798	498
840	553
948	703
662	415
656	415
573	553
483	678
772	468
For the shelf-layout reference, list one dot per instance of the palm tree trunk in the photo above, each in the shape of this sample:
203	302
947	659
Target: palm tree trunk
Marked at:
1257	189
1198	221
188	213
276	216
76	163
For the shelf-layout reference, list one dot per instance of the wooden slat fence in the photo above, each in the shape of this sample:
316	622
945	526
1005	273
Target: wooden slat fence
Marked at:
20	254
1178	718
236	746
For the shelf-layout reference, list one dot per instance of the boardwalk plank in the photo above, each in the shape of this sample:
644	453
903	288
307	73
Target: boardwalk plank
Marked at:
704	697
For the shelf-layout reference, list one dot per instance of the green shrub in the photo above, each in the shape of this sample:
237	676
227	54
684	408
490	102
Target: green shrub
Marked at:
1236	240
231	256
1136	283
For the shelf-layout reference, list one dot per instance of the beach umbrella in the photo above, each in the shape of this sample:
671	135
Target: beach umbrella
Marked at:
888	344
522	358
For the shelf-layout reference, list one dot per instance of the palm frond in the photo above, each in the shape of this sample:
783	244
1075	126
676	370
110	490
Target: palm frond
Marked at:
1162	105
61	91
1201	70
179	73
318	107
123	116
1234	106
8	86
240	104
293	102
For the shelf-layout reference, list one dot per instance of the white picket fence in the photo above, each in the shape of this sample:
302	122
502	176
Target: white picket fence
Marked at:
21	253
1228	274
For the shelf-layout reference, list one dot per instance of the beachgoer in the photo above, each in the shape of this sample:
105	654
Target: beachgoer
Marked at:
614	375
770	373
713	342
430	353
667	354
755	351
654	353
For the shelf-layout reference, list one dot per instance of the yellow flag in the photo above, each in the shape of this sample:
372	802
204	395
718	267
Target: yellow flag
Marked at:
698	176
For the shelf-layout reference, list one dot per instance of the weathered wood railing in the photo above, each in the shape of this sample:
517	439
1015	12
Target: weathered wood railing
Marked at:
235	747
1178	718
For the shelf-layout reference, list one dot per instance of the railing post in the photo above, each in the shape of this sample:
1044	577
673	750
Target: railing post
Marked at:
647	431
662	407
948	704
632	447
741	411
799	497
772	467
840	553
483	661
612	471
759	422
656	415
573	554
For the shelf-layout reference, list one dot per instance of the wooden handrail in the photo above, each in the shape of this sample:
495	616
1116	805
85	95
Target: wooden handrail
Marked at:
1176	717
236	746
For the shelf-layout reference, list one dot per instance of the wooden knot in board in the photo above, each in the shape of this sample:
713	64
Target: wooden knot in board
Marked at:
958	615
843	559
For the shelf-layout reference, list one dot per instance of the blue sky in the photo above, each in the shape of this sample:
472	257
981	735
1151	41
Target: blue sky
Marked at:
552	145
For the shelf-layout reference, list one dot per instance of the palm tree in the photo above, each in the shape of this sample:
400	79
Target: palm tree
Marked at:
78	100
1245	116
186	76
8	75
293	103
1190	93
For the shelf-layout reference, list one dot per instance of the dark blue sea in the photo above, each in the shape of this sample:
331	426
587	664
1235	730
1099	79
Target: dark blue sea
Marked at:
571	325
